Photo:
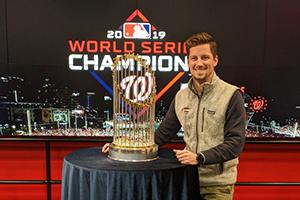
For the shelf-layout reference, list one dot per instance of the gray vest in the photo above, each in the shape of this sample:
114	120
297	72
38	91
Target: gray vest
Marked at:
203	118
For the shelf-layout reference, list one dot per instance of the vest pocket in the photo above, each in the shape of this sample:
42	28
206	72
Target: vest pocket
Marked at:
212	121
186	121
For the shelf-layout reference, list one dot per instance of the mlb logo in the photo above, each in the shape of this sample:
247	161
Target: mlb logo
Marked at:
136	30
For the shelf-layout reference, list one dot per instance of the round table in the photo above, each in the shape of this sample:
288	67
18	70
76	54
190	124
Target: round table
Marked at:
88	174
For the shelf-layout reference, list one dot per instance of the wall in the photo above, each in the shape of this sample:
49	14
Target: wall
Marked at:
266	170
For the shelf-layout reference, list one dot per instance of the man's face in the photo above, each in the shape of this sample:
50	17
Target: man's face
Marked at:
202	63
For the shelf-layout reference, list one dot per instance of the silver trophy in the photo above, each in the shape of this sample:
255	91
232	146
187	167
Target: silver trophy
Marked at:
134	90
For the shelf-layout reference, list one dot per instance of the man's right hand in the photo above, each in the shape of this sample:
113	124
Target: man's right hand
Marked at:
105	148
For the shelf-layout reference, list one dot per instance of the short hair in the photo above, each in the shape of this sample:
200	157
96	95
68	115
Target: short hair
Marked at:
202	38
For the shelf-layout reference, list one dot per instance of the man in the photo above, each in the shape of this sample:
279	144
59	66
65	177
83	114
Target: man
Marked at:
212	115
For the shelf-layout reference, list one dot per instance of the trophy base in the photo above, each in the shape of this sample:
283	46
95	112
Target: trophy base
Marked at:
133	154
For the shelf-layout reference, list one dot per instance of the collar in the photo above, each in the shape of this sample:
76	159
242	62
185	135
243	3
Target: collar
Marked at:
206	86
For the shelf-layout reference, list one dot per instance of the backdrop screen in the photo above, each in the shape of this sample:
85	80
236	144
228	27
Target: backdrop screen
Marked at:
56	58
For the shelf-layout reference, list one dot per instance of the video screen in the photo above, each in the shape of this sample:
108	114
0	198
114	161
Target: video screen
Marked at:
56	59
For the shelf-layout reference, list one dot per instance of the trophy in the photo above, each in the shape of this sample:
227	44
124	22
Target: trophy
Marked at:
134	89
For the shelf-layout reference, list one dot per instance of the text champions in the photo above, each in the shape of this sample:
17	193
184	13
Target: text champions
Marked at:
96	55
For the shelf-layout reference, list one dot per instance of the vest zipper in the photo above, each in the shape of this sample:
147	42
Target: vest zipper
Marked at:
202	125
197	119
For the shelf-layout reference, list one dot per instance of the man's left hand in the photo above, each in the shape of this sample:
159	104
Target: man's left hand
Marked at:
186	157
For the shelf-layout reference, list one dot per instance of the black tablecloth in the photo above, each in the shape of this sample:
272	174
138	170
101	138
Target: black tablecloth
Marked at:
88	174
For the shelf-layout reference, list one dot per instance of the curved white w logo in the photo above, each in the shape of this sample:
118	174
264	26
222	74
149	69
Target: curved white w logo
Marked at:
137	88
